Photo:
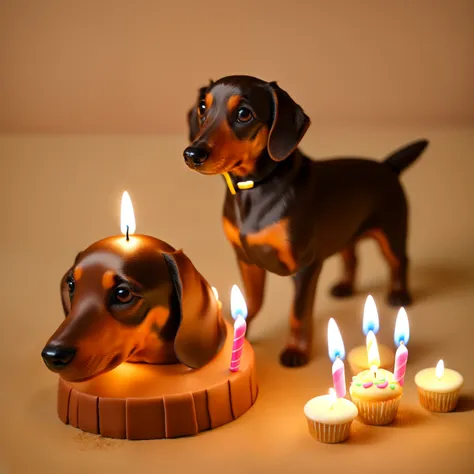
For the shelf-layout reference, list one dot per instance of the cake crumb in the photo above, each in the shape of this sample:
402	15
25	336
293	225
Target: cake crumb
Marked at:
89	441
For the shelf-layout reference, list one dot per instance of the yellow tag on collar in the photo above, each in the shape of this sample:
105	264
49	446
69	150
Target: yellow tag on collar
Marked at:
241	185
245	185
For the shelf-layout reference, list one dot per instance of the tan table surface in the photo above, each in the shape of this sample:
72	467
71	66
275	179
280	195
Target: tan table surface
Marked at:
60	194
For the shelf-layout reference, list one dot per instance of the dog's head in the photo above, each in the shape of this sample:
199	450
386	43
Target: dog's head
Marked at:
150	305
238	118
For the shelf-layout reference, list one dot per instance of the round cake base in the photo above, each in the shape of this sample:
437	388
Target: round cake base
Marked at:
145	401
357	359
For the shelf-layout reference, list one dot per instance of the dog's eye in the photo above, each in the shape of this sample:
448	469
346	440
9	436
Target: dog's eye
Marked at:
202	108
71	285
244	115
122	295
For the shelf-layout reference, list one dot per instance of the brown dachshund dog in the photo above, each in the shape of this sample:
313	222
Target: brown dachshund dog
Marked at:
285	213
152	307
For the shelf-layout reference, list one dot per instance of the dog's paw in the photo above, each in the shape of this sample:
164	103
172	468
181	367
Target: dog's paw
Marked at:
399	298
342	290
293	357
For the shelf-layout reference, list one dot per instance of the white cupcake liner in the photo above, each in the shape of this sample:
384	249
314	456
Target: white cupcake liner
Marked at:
374	412
326	433
438	402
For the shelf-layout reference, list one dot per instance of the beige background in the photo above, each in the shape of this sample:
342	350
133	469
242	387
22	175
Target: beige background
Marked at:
118	66
372	77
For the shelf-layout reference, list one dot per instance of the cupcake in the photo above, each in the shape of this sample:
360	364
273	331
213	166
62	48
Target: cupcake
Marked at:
439	388
376	395
330	418
358	362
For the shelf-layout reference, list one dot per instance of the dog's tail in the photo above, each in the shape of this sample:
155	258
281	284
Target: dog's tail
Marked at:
404	157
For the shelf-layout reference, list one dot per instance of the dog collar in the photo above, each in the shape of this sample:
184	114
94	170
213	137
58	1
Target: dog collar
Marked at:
247	184
241	184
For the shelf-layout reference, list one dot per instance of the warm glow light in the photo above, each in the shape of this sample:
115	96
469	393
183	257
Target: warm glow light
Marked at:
216	294
127	216
370	321
335	343
238	307
332	397
402	328
440	369
372	350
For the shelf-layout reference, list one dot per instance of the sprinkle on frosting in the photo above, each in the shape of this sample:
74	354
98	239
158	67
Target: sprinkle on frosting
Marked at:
368	384
392	386
382	385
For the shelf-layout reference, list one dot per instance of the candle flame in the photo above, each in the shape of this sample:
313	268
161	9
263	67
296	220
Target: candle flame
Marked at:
238	307
335	343
127	216
372	350
216	294
402	328
370	321
440	369
332	397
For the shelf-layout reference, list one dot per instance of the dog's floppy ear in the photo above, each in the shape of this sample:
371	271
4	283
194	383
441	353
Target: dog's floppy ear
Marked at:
201	331
193	119
289	124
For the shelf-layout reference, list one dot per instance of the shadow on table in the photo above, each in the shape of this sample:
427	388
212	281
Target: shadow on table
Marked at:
408	417
466	403
431	280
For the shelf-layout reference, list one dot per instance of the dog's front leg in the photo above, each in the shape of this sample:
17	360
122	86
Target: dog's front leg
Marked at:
297	351
253	278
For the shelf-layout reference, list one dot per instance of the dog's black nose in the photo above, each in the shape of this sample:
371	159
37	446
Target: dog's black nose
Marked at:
195	155
57	357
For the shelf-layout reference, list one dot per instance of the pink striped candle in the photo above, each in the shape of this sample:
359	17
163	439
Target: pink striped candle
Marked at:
401	337
336	354
339	378
239	314
401	357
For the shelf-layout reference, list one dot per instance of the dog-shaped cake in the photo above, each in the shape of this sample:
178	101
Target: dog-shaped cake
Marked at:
151	306
285	213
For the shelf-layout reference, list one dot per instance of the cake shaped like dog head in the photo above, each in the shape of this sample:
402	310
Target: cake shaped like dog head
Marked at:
136	300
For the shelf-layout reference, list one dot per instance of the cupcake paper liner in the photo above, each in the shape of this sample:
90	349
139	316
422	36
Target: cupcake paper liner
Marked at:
329	433
372	412
438	402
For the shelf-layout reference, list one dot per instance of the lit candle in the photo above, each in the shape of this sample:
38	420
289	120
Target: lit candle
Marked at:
439	388
336	354
127	216
329	418
373	356
357	357
239	314
401	337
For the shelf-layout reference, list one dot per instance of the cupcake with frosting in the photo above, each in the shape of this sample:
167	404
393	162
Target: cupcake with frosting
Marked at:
439	388
377	395
329	417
